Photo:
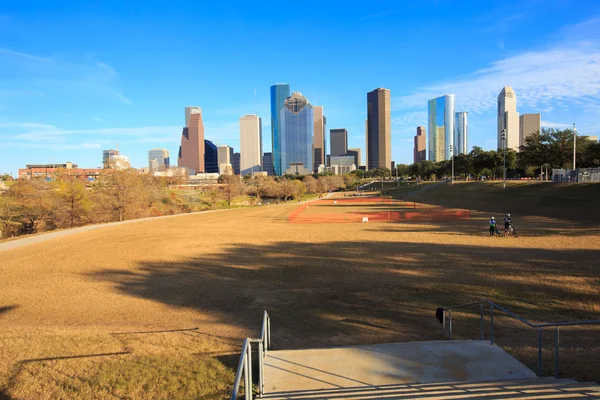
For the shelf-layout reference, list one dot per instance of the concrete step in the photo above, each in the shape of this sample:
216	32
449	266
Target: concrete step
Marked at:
536	388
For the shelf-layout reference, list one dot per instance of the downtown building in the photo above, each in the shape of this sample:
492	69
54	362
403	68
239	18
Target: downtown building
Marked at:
224	153
379	129
441	127
356	153
279	93
192	148
296	136
251	157
319	142
528	125
158	159
420	149
508	119
461	131
338	139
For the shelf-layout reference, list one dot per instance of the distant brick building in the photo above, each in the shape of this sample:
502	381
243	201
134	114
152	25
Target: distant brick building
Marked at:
44	171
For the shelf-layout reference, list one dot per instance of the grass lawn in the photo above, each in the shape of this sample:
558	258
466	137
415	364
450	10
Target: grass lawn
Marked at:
159	308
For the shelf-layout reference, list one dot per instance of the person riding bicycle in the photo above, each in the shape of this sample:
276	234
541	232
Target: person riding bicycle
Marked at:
507	224
492	226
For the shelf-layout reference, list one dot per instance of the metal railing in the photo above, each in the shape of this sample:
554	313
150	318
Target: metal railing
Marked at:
245	364
447	327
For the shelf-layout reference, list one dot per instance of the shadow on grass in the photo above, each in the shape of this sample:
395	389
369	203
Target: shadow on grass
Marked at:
344	293
5	309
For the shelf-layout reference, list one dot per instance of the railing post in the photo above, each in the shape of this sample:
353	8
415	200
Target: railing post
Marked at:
556	357
261	370
444	324
247	379
450	322
492	323
481	321
269	347
539	371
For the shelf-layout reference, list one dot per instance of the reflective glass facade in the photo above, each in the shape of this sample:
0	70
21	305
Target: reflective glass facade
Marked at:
461	129
441	127
211	157
297	129
279	93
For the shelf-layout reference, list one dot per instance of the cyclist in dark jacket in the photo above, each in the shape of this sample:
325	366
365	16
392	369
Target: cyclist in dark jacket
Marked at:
507	224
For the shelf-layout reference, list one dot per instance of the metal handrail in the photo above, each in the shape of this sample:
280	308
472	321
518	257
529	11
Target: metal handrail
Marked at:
539	327
245	364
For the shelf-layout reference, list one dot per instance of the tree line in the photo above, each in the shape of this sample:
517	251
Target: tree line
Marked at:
546	149
65	201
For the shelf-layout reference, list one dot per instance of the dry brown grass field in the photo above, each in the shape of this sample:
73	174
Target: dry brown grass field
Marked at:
159	308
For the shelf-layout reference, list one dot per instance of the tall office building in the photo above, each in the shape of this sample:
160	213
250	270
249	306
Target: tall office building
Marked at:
224	154
461	131
366	144
235	163
268	163
107	156
211	158
279	93
441	127
158	159
297	129
250	144
355	152
320	128
189	110
338	139
508	118
528	124
420	150
191	150
379	129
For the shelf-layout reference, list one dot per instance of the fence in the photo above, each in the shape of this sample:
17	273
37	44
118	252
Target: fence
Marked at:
576	175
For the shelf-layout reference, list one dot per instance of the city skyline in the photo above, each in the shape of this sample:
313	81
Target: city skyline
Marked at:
89	95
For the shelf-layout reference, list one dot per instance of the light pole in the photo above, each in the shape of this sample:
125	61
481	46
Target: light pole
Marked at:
503	137
574	145
452	155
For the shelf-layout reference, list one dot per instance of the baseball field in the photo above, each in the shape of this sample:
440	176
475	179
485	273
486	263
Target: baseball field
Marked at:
158	308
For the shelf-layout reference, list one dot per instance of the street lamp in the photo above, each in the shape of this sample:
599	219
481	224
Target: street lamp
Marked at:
574	145
503	137
452	155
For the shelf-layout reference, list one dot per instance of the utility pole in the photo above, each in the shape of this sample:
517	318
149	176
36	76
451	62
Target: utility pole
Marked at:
504	146
574	145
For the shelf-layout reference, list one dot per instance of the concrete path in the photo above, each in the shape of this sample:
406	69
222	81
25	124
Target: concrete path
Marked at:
390	364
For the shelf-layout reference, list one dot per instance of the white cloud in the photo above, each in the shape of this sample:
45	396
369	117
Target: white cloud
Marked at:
567	71
548	124
124	99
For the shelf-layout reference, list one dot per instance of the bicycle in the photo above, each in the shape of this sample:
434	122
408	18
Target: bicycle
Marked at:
512	231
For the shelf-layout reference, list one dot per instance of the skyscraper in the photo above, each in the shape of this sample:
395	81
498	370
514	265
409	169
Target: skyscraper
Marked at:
297	128
235	163
158	159
508	118
379	130
106	157
189	110
461	130
528	124
339	142
211	157
250	144
420	150
357	156
441	127
319	138
191	150
268	163
366	144
224	154
279	93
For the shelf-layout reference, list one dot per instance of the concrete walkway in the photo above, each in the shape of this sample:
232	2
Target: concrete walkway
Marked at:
389	364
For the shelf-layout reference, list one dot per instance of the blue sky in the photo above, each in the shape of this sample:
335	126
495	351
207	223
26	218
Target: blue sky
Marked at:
79	77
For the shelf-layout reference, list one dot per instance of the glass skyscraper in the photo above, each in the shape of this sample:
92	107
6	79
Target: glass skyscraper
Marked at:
297	130
441	127
279	93
461	130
